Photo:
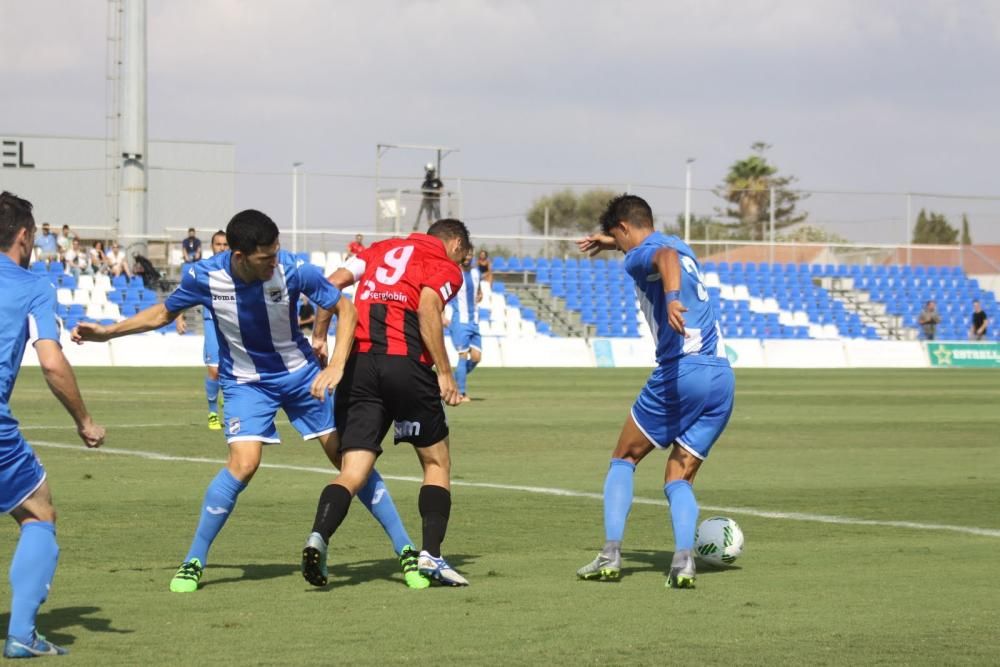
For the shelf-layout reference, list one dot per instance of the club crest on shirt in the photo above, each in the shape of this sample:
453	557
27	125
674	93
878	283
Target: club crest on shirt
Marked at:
275	295
234	425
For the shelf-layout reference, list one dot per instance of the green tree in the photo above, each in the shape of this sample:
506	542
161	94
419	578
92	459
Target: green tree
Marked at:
747	188
810	234
570	212
933	229
703	228
966	236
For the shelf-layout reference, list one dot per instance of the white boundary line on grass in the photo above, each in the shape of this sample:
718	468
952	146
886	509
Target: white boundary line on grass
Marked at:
748	511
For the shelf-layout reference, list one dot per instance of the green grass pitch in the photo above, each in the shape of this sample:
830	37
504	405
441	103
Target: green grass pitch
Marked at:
882	446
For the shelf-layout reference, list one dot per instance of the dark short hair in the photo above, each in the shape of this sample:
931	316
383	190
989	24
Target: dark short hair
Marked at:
219	233
250	229
190	229
15	215
450	228
630	208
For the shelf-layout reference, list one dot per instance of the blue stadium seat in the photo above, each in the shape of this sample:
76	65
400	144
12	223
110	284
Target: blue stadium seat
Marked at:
499	263
56	267
68	281
528	263
120	281
39	267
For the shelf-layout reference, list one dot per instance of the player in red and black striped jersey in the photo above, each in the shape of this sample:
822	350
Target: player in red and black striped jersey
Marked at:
402	288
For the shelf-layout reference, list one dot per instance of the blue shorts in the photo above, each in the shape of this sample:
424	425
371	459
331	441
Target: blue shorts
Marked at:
211	349
251	407
689	404
465	335
21	473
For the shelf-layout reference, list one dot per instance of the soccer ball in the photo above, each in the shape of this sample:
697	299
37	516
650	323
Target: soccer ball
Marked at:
719	540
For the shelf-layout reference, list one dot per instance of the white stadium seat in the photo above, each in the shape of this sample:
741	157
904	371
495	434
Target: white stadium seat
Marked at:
712	279
98	296
85	283
786	318
95	311
102	283
111	311
64	296
176	257
81	297
335	258
741	293
317	257
800	318
771	305
726	292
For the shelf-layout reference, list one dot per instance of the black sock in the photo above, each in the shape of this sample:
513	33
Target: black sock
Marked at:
333	505
435	507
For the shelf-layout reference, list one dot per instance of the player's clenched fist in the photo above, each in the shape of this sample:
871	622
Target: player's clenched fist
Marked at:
92	434
326	382
449	389
89	331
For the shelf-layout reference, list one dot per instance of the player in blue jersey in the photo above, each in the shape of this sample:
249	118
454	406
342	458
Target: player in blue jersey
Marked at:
688	398
464	325
265	363
28	312
211	347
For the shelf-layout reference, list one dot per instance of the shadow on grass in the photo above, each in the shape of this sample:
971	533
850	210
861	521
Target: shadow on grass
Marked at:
361	572
341	574
637	561
53	622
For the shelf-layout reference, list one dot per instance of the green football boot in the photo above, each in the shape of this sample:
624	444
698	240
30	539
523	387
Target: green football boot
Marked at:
411	572
187	577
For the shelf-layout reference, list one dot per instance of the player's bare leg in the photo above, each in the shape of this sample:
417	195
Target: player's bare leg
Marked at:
31	572
631	448
435	510
218	505
334	501
681	468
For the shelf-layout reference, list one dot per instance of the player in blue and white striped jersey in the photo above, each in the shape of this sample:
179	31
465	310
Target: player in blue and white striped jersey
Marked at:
688	398
265	363
464	325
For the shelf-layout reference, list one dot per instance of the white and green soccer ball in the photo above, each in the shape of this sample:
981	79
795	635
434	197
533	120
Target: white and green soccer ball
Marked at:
719	541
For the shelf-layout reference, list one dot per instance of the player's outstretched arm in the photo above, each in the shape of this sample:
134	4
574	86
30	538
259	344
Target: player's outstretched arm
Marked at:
432	334
341	279
668	264
62	382
150	319
347	320
595	243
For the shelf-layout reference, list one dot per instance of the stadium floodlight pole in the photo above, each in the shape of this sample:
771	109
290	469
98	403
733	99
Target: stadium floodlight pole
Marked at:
295	206
771	215
908	240
687	199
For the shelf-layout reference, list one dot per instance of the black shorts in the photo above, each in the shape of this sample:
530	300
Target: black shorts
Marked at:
379	389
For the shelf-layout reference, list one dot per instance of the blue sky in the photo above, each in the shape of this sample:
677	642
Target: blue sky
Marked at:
858	96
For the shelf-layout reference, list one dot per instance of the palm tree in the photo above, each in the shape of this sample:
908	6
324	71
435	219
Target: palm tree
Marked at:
748	187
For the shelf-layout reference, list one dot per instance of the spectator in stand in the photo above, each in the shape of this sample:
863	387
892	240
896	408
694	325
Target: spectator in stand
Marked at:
307	314
48	246
355	247
192	246
929	318
98	258
77	259
65	241
118	261
980	321
485	267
